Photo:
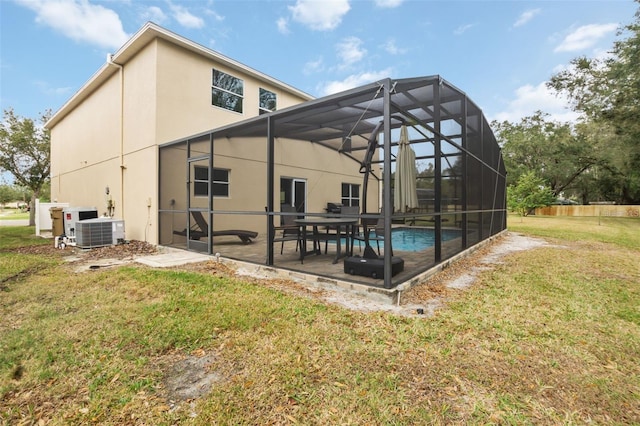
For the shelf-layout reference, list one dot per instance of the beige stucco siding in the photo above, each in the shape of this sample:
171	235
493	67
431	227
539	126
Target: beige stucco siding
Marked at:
323	169
86	186
184	94
139	163
110	138
139	195
140	99
83	155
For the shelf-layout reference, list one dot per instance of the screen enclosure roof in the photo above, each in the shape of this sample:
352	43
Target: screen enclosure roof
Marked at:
344	121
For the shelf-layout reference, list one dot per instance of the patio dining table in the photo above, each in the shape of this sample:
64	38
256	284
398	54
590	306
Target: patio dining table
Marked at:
348	224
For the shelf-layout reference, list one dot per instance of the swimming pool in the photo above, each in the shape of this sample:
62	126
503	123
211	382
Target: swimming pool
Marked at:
415	239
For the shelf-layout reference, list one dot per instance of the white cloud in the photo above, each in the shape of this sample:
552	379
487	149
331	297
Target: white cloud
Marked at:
350	51
154	14
388	3
214	14
526	16
463	28
585	37
80	21
52	91
354	80
320	15
392	48
283	25
315	66
529	99
186	18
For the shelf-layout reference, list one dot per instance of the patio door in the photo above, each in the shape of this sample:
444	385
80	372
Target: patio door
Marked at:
199	187
293	192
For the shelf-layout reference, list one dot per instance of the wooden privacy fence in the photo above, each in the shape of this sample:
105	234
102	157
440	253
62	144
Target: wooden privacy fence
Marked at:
590	210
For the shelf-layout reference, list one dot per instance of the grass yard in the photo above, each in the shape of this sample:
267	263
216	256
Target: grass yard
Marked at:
549	336
10	214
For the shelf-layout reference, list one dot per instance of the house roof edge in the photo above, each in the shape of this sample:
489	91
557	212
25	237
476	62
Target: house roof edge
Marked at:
148	32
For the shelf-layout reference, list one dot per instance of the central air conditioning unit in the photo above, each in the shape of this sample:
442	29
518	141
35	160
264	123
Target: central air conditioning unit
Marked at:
99	232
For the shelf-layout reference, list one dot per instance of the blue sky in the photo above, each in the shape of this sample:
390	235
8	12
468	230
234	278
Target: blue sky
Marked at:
499	52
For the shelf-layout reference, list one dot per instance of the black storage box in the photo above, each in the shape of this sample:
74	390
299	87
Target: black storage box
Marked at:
373	268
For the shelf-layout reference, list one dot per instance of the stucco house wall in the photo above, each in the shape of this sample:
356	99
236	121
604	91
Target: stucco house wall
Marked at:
85	150
156	89
323	169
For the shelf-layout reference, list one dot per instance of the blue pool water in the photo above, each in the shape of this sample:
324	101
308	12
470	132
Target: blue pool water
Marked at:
417	239
413	239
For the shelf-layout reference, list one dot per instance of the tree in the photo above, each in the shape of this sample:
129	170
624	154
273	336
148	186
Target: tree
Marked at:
556	152
8	193
528	194
607	92
24	152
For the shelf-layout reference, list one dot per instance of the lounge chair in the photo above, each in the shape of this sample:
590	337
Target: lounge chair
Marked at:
201	229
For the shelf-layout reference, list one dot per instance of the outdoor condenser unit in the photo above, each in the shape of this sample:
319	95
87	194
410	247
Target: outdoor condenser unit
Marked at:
71	215
99	232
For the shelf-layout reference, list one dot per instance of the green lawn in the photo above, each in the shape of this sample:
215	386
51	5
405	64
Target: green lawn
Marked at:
549	336
10	214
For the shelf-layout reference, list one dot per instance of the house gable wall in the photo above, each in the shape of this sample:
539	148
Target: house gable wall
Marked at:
110	138
84	158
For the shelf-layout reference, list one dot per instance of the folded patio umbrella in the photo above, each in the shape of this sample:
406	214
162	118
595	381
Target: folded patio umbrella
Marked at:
404	194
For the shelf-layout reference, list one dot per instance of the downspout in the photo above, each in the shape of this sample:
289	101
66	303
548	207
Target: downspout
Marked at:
122	165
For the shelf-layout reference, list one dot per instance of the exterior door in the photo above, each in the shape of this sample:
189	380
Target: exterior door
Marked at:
293	192
199	187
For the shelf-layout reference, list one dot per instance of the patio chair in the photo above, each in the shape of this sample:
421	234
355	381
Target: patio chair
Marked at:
332	236
201	229
375	228
289	230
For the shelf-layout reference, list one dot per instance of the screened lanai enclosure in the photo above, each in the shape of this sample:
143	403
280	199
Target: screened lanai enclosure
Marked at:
403	169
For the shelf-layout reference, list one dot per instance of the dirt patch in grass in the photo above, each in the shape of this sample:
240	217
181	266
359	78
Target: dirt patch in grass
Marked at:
16	277
187	378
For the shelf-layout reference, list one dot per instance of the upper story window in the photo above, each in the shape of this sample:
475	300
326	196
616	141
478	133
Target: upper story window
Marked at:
219	183
350	194
227	91
267	101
